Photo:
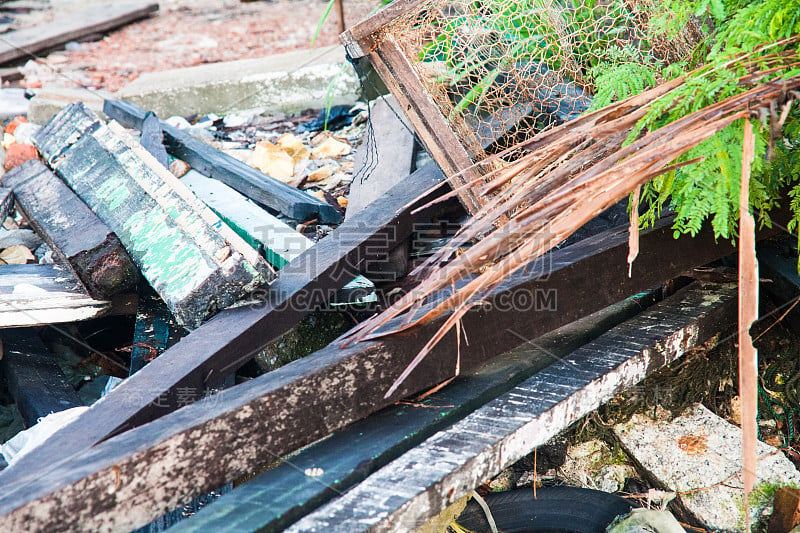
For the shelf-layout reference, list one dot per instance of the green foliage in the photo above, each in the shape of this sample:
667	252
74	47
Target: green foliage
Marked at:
709	190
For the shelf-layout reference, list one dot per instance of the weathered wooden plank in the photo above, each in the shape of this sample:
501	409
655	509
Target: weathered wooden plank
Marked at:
33	295
431	126
155	330
359	40
386	152
448	466
282	495
256	185
307	399
6	201
22	43
152	139
202	359
195	263
263	231
35	381
74	233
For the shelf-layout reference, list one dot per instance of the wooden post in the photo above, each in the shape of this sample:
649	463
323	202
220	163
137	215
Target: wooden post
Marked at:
76	235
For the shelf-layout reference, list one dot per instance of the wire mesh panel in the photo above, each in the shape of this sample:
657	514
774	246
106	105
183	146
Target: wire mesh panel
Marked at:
500	71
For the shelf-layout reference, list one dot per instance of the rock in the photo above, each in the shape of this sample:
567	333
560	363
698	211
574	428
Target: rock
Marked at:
273	161
320	174
11	127
698	450
592	464
178	122
18	153
647	521
17	255
179	168
240	119
14	237
505	480
73	46
24	132
13	103
201	134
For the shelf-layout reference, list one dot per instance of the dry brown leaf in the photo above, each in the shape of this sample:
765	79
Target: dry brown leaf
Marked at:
17	255
293	145
693	444
331	147
320	174
342	201
273	161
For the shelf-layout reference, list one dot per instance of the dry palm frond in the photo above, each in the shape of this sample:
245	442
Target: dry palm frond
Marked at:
567	176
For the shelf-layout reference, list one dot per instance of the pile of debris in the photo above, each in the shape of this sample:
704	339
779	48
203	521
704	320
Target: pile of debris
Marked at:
198	295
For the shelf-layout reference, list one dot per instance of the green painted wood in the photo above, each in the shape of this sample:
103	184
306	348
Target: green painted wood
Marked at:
175	240
74	233
280	242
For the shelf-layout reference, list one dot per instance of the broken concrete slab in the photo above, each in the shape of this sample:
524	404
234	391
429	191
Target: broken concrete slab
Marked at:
699	450
195	262
72	230
50	100
287	83
13	103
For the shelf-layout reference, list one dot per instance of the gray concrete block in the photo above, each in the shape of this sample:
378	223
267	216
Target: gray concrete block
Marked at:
50	100
699	449
286	83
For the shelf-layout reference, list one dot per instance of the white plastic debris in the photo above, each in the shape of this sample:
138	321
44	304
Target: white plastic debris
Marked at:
25	441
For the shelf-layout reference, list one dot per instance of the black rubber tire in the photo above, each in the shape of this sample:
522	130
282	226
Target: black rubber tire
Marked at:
555	509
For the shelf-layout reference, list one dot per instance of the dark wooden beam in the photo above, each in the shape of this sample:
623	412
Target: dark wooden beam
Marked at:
256	185
448	466
20	44
35	381
75	234
282	495
219	347
6	201
269	416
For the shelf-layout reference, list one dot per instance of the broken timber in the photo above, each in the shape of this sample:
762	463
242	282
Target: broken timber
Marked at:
256	185
205	357
33	295
6	201
74	233
282	495
424	481
307	399
280	242
190	257
23	43
35	381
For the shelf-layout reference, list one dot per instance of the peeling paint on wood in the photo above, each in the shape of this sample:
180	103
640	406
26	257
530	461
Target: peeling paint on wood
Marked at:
172	237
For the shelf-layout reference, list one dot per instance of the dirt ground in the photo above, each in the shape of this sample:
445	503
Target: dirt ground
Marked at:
181	34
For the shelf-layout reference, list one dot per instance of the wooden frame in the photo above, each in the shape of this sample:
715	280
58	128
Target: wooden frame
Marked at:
394	68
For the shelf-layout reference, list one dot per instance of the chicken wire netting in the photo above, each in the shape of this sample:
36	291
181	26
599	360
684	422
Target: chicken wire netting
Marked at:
503	70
